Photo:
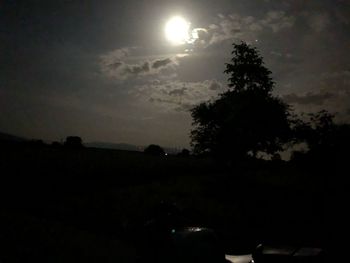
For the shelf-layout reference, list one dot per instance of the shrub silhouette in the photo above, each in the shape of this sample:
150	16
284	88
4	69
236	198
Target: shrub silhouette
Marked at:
184	153
154	150
73	142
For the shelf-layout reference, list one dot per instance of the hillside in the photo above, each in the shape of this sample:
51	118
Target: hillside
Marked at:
9	137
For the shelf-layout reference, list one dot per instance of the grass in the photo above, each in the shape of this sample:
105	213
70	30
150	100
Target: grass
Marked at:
94	200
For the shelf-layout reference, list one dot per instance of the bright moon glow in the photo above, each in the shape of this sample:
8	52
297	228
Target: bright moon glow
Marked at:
177	31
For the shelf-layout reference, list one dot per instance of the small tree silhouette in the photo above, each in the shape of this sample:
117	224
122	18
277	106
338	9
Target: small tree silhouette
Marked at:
73	142
184	153
154	150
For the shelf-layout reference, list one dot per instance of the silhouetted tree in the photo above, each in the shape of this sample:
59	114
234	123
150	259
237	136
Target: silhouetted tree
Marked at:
73	142
56	144
184	153
324	138
36	143
247	118
154	150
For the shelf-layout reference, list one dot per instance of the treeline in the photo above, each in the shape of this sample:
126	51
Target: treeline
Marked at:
70	142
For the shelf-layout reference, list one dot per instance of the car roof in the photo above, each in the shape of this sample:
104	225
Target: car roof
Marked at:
284	250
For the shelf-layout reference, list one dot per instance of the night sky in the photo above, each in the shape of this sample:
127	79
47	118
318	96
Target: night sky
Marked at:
104	70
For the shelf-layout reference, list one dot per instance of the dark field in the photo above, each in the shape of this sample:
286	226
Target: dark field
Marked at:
69	205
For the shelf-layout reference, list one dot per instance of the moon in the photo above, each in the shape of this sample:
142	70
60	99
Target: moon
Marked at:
177	30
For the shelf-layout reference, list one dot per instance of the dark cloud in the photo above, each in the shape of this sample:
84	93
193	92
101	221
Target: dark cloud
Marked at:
184	107
178	92
201	37
331	92
143	68
117	64
176	95
215	85
308	98
161	63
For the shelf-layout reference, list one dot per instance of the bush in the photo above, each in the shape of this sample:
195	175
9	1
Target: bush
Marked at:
154	150
73	142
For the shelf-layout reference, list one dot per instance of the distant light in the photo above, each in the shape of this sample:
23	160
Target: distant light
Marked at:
166	154
195	229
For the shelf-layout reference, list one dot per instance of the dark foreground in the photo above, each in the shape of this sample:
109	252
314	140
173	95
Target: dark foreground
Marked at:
91	205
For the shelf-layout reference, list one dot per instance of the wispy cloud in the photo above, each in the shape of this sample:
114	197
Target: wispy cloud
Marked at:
121	65
332	93
178	95
237	27
308	98
318	21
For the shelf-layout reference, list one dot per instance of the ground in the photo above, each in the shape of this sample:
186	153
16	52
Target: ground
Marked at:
87	204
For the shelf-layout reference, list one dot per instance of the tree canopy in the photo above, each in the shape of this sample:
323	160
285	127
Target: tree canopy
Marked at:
154	149
73	142
247	118
247	71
